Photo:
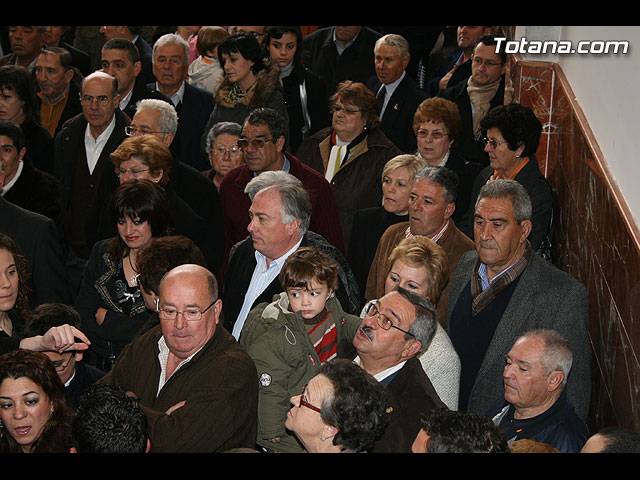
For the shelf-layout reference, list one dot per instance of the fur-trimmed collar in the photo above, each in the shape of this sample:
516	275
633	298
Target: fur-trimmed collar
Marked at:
267	81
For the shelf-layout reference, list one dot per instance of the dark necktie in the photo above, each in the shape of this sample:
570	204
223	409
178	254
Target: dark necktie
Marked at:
381	94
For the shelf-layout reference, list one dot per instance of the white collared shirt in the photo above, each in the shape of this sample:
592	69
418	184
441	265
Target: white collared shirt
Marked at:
177	97
10	184
385	373
163	357
390	89
94	146
261	278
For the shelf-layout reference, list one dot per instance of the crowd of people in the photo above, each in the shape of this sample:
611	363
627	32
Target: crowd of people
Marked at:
280	239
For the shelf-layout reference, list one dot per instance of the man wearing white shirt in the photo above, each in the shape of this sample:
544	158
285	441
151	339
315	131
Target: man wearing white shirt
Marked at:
280	215
396	329
397	93
81	157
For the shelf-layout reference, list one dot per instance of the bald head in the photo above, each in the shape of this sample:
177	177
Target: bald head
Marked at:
189	308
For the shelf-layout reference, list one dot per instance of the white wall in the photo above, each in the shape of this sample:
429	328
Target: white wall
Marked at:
607	88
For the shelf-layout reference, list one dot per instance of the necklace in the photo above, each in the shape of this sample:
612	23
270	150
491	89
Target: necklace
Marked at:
134	278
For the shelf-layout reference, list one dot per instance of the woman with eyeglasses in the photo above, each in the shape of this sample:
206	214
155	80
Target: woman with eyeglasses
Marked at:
511	137
437	125
110	304
341	410
420	265
352	152
223	150
34	414
305	92
250	81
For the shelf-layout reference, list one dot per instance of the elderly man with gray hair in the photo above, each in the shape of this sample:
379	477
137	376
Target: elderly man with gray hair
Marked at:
280	215
502	290
431	204
397	93
534	405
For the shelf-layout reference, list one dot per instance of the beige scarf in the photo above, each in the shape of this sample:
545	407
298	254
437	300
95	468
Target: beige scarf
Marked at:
480	96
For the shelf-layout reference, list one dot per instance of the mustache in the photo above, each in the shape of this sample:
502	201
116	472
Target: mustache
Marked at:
366	330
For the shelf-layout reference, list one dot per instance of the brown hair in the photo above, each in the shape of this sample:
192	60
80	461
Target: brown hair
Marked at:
358	95
24	290
438	109
209	38
418	251
149	150
305	264
38	368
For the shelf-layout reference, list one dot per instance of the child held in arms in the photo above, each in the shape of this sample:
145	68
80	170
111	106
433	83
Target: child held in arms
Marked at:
291	337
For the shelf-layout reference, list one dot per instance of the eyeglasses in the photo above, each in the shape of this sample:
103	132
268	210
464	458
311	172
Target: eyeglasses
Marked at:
256	143
347	110
190	315
134	171
493	143
489	63
102	100
60	365
304	403
435	135
221	150
132	131
384	322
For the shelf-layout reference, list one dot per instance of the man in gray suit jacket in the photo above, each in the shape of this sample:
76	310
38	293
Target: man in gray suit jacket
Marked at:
503	289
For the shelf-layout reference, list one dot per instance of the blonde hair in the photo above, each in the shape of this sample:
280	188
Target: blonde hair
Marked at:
418	251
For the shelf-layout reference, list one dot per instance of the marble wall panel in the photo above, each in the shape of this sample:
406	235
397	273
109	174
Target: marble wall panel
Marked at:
595	240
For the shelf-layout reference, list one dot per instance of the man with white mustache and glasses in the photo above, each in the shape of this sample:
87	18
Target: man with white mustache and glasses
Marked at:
395	330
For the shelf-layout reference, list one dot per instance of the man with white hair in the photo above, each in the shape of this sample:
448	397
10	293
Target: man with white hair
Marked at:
193	104
535	404
280	214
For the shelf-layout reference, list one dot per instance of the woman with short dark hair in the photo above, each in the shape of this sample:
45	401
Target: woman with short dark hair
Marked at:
109	302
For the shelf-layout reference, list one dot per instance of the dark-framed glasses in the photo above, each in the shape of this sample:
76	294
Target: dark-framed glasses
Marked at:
190	314
347	110
304	403
60	365
435	135
384	322
256	143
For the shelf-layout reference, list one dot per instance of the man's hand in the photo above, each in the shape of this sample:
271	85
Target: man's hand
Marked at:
444	81
60	339
100	315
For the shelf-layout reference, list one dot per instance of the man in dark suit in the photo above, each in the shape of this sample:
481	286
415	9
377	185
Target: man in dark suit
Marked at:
25	185
264	123
341	53
457	68
396	329
503	289
194	105
133	34
280	215
82	162
159	118
397	93
37	238
482	91
53	37
121	59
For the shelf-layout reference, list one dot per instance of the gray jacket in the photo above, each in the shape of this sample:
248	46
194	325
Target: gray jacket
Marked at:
545	297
